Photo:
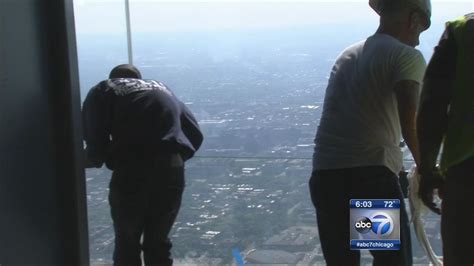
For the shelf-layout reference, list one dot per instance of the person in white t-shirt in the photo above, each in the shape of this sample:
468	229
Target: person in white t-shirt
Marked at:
370	104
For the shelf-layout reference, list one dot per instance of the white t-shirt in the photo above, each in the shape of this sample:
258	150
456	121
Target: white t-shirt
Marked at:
360	125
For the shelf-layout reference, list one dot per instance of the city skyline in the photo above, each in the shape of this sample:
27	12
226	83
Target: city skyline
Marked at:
257	94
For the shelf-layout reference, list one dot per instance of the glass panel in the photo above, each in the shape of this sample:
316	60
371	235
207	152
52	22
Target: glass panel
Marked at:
254	205
101	39
102	44
254	73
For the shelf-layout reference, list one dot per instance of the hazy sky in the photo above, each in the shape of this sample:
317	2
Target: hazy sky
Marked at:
101	16
240	1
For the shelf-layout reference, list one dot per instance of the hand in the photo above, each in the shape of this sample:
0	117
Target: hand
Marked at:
88	163
428	183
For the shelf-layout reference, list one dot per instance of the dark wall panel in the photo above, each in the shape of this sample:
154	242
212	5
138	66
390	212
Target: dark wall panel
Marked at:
42	199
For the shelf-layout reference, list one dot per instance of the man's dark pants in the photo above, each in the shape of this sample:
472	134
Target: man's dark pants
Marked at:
457	218
331	191
145	199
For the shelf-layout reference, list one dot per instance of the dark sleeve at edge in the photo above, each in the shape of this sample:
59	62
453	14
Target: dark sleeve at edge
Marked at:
191	129
443	62
96	123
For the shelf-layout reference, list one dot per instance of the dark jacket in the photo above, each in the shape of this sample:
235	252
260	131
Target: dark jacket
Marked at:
127	120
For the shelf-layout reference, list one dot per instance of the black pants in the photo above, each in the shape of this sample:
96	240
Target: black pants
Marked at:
145	200
331	191
457	216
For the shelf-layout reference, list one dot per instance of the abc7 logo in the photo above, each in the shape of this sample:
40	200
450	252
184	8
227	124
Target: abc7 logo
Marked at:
379	223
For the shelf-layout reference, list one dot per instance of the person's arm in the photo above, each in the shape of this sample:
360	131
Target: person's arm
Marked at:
432	118
408	69
432	121
407	93
191	129
96	122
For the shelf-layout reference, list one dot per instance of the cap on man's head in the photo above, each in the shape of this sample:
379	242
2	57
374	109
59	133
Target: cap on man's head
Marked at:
125	71
424	6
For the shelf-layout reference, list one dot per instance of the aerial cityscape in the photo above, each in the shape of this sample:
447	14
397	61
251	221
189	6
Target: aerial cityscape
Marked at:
257	96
